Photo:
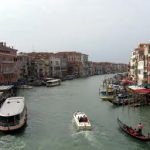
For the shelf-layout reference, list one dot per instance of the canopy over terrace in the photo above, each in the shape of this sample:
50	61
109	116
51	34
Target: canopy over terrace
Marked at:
139	90
127	82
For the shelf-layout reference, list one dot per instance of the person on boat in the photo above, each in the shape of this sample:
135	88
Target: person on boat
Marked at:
85	119
81	119
140	127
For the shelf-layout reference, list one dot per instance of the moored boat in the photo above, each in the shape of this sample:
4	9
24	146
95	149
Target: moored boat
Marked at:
122	99
53	82
7	91
13	114
81	121
132	132
25	87
105	95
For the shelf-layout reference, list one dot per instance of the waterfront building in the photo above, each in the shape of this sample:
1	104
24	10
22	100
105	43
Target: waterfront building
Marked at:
22	61
63	63
77	63
39	66
140	64
55	67
84	61
133	66
90	68
8	64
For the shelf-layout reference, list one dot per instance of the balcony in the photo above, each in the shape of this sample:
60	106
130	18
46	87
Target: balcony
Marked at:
7	62
8	72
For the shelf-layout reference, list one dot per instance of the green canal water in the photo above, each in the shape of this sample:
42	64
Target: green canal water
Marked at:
50	126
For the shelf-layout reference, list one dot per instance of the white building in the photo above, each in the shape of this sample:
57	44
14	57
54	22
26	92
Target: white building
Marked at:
55	67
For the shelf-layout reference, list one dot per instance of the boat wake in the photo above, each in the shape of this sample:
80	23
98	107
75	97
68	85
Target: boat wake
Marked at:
9	142
88	137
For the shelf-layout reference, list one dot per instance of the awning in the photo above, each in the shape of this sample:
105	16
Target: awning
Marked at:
142	91
126	82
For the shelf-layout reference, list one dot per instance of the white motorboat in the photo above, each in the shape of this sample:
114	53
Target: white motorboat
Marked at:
13	114
81	121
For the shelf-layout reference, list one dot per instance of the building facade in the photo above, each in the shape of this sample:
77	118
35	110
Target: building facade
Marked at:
8	64
140	64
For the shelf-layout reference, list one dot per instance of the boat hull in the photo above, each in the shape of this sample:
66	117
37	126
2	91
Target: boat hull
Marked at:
107	98
52	85
14	128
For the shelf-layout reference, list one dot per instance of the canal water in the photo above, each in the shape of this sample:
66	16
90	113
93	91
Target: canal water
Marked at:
50	126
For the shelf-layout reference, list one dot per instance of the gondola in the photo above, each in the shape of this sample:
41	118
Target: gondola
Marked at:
132	132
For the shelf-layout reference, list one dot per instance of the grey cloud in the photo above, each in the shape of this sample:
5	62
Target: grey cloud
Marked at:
107	30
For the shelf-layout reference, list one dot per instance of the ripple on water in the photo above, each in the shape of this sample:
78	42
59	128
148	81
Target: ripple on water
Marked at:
88	137
9	142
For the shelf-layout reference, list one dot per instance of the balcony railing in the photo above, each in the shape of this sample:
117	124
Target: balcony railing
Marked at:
7	62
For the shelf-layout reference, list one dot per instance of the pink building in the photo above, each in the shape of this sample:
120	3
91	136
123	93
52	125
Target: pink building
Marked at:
8	64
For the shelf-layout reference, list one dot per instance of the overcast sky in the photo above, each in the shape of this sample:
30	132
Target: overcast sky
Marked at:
106	30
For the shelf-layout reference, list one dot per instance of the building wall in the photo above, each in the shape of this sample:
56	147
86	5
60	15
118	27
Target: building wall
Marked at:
8	64
55	67
141	64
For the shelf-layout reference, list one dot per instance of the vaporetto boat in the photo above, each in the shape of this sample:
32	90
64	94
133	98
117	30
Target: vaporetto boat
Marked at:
13	114
53	82
81	121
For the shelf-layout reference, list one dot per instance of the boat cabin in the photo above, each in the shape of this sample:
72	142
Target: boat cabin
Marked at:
13	114
106	93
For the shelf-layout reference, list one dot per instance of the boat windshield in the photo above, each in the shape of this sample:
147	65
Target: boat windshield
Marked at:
110	93
107	93
11	120
103	92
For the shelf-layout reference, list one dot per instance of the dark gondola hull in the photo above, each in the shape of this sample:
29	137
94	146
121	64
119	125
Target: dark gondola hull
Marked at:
132	132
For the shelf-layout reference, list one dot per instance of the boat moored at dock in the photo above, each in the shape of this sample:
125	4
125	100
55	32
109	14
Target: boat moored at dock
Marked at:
122	99
105	95
25	87
6	91
81	121
53	82
13	114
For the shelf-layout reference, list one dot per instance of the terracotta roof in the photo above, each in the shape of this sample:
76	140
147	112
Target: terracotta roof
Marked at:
139	49
68	53
36	55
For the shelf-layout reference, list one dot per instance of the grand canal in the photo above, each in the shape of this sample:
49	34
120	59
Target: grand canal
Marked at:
50	120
